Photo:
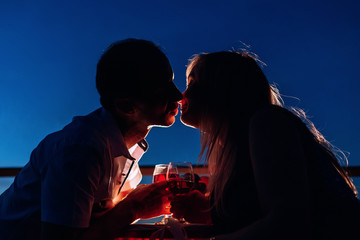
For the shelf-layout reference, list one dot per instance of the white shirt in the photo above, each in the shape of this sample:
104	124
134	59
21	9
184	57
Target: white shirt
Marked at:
73	172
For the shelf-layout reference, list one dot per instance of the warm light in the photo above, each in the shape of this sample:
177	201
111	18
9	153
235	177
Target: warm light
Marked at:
121	196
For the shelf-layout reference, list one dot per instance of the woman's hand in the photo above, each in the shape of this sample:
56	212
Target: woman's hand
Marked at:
193	206
149	200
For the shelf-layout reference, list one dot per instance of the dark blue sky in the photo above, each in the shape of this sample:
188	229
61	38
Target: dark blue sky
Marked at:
49	51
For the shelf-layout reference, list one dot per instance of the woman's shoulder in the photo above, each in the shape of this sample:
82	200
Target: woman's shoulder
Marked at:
277	122
273	114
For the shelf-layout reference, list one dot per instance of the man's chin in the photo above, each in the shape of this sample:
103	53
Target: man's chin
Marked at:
166	123
170	121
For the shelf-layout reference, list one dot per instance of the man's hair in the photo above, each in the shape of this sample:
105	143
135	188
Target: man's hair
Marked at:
130	68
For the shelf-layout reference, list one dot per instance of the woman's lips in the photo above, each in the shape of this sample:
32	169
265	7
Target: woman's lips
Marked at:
184	108
184	105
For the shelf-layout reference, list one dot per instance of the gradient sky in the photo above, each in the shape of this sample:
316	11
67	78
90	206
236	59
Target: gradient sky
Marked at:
49	51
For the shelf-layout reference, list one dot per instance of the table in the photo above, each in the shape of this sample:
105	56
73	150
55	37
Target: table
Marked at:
144	231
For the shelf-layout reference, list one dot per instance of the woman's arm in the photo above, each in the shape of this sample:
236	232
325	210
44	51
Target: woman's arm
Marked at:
193	206
280	171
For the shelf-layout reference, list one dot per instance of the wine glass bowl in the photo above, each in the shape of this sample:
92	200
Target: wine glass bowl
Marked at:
180	177
159	173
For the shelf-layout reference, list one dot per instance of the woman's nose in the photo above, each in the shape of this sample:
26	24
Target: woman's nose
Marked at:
183	96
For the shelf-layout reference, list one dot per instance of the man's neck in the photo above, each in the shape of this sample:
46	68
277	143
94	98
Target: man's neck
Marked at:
134	135
132	131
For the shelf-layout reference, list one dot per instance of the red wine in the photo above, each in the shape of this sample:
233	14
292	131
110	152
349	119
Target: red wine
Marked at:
159	177
180	186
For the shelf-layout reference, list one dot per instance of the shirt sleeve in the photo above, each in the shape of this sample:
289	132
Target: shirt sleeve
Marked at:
69	185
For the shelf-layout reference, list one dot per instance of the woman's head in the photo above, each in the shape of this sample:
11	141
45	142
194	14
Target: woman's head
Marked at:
221	86
223	89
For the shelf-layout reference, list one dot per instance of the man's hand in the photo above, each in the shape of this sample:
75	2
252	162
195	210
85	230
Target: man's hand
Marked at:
149	201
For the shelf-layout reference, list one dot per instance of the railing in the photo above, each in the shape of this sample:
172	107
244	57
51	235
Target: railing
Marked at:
143	231
147	170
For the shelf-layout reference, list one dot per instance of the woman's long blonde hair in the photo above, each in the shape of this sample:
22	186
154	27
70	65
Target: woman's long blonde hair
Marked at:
236	87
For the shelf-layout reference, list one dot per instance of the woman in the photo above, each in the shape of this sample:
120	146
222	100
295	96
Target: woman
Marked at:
271	175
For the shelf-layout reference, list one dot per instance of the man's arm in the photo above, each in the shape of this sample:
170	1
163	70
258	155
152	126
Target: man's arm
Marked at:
146	201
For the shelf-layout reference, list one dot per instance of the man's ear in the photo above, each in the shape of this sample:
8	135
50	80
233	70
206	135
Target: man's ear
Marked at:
124	106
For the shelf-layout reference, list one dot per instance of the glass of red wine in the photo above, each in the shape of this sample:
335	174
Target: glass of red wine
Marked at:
160	171
159	174
180	177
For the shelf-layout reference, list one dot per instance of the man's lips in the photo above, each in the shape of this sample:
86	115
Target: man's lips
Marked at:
174	112
173	108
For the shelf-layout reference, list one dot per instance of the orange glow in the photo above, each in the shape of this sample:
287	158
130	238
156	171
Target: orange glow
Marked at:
121	196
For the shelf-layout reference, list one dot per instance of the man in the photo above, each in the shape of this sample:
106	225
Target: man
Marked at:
74	184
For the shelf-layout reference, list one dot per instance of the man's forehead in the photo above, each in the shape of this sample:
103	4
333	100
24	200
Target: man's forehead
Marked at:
159	80
156	77
162	85
164	89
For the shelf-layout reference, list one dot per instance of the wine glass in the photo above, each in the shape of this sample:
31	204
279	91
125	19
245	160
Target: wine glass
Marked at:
180	176
159	174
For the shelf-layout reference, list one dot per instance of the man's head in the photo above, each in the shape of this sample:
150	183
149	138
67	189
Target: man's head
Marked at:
135	73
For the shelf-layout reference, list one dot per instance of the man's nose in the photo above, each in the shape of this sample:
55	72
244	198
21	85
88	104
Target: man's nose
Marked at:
179	95
176	95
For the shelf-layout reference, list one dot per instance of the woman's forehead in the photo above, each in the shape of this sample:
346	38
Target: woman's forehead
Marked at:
192	71
190	77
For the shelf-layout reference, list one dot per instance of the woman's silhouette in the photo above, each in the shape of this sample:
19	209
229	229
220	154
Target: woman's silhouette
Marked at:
272	174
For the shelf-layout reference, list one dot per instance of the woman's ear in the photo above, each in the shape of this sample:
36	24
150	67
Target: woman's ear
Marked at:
124	106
